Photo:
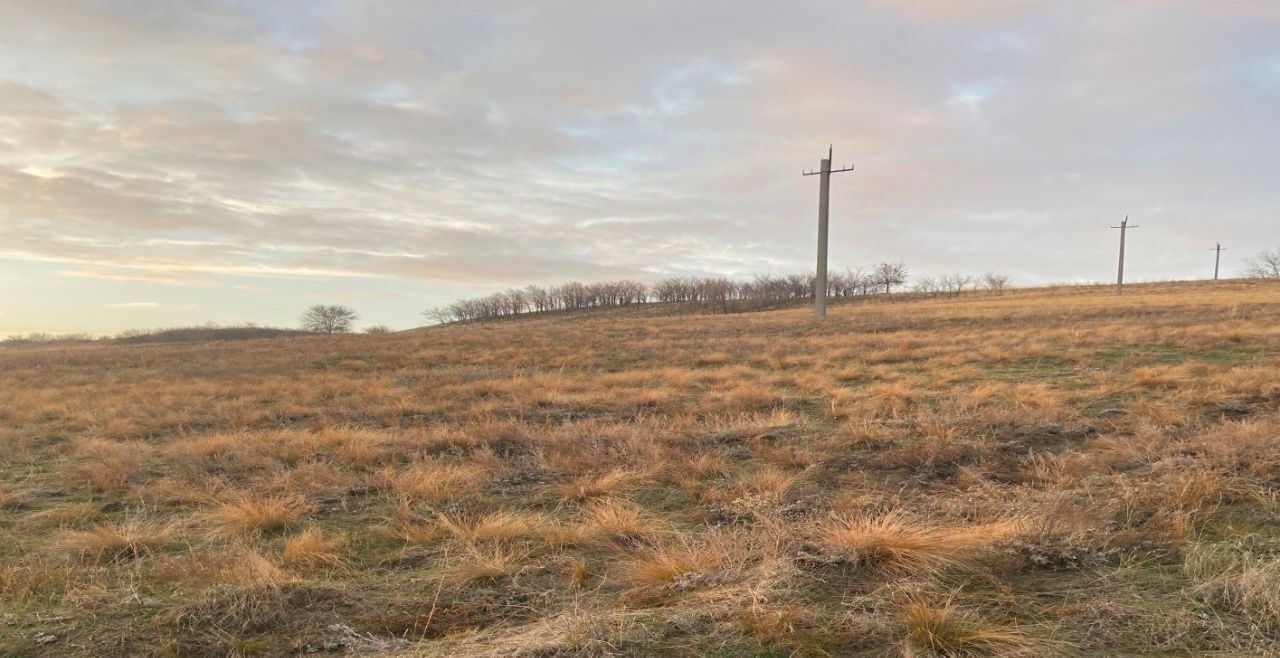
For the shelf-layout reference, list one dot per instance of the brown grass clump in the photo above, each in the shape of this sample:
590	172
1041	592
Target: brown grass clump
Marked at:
579	572
1244	582
312	548
113	542
664	564
586	487
207	447
435	481
248	568
769	482
358	447
108	477
418	534
11	499
944	631
897	543
496	526
247	516
615	519
66	515
706	465
486	564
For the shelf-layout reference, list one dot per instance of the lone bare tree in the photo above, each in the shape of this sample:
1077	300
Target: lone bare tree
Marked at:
890	274
328	319
1265	265
996	282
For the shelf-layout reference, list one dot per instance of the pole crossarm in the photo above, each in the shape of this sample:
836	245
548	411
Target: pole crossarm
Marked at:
833	171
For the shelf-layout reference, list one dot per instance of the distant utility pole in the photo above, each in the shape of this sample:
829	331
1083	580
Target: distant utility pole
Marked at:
1124	226
1217	260
824	202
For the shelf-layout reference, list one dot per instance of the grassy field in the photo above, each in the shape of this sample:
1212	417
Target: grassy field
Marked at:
1044	472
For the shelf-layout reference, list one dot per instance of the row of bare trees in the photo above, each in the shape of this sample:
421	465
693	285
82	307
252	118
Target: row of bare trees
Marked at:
542	299
719	293
955	284
716	292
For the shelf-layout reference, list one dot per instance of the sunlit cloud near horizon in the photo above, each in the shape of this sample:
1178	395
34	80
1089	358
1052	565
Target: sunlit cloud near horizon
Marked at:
168	164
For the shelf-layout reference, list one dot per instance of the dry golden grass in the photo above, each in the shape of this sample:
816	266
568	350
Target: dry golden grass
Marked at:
312	548
245	516
893	541
663	564
769	482
1044	472
586	487
434	481
496	527
943	631
615	519
248	568
66	515
488	563
1243	582
111	542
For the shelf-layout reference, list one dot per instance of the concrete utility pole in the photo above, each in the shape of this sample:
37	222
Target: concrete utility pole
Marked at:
824	202
1217	260
1124	226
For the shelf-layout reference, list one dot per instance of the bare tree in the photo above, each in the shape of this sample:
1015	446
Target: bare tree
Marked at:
1265	265
927	286
995	282
328	319
955	284
890	274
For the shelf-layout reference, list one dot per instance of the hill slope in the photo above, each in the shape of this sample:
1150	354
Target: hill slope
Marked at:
1039	472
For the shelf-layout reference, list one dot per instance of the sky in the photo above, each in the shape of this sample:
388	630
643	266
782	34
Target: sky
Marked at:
173	163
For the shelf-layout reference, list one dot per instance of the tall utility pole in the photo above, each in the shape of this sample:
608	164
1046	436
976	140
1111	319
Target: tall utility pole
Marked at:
1217	260
824	203
1124	226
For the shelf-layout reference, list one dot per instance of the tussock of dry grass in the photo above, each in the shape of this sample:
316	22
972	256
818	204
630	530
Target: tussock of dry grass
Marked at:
312	548
665	563
486	563
943	631
895	542
769	482
435	481
496	526
111	542
1244	582
616	519
249	568
11	499
586	487
246	516
66	515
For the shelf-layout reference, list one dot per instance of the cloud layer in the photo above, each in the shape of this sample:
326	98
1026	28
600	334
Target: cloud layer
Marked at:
397	154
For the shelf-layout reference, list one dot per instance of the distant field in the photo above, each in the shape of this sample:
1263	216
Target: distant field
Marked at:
1048	472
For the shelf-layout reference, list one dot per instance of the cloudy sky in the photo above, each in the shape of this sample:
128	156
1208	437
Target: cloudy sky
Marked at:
166	163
